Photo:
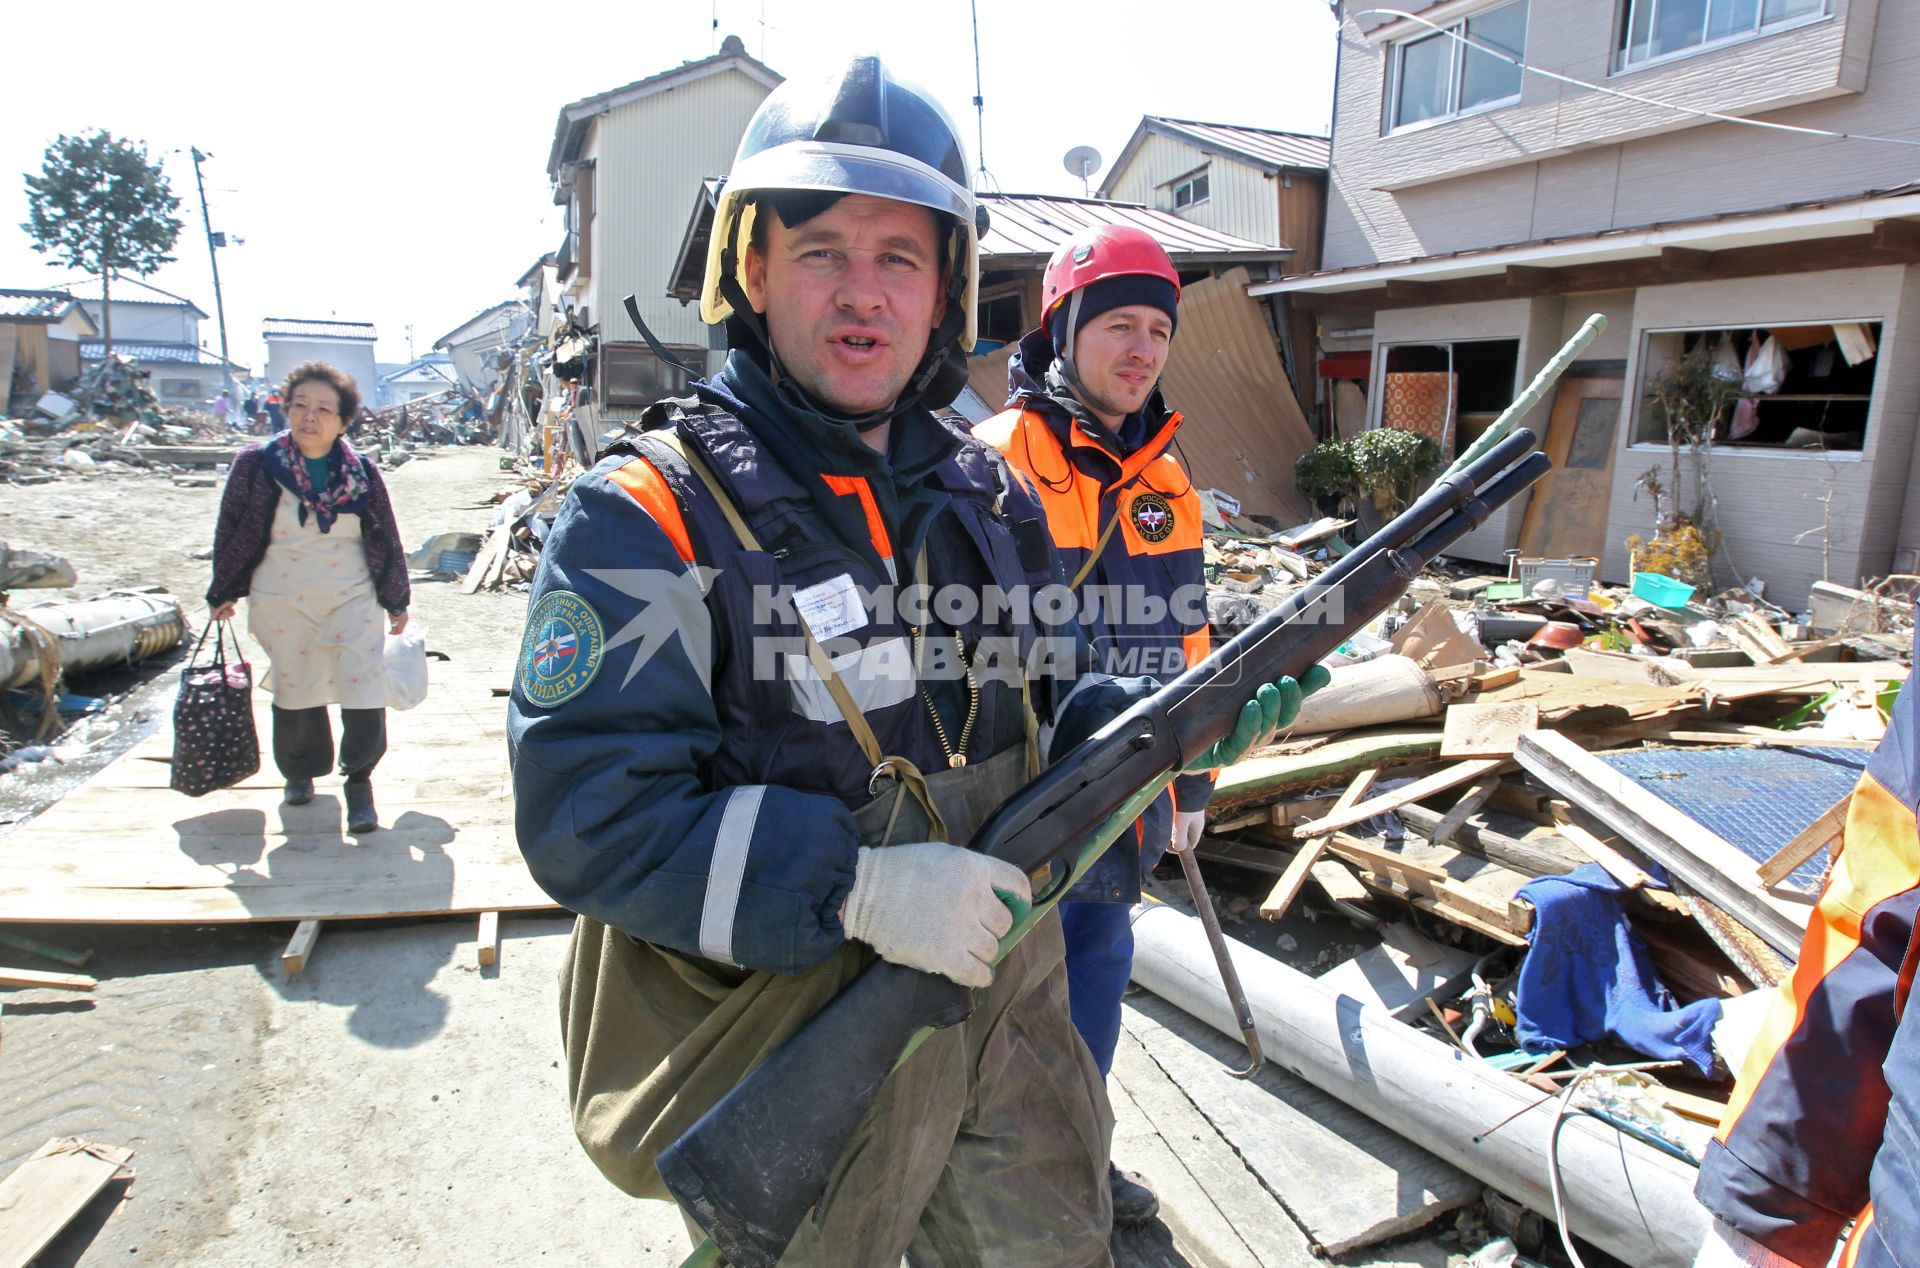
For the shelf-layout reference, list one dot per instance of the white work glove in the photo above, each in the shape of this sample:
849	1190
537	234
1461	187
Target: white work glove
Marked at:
1187	827
933	906
1727	1247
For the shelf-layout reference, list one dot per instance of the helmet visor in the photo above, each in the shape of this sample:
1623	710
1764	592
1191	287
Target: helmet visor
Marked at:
852	169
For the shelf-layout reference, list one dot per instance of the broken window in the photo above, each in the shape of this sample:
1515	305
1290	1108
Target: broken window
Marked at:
1450	392
1793	386
630	375
1654	29
1457	69
1002	316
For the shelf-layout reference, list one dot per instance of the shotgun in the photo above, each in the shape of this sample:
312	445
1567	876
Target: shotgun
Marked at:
753	1166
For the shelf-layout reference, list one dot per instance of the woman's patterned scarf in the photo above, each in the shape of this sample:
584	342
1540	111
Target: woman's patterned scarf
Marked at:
347	484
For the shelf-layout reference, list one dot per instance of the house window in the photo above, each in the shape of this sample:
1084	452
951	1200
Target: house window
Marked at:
179	389
630	375
1449	72
1810	390
1654	29
1002	317
1189	190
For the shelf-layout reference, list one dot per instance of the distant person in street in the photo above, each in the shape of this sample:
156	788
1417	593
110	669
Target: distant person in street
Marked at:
307	536
276	417
223	406
251	408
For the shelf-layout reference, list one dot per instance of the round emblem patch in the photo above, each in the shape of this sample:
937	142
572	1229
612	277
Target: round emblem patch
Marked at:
1152	517
562	649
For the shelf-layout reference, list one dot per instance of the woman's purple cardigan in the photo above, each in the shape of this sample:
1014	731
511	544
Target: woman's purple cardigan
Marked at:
246	525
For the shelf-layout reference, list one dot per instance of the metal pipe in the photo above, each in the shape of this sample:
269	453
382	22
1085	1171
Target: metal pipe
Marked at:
120	628
1634	1202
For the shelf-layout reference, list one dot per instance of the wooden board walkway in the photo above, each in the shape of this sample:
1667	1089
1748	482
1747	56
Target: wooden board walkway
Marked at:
124	848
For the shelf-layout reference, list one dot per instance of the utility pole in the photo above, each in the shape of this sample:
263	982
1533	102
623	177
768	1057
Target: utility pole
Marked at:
213	255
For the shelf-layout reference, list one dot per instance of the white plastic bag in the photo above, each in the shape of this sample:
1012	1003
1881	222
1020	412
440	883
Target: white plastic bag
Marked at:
406	658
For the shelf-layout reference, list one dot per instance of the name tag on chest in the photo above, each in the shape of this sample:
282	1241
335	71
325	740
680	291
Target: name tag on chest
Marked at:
831	608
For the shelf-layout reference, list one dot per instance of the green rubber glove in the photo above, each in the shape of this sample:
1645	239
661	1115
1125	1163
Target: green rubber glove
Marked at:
1275	705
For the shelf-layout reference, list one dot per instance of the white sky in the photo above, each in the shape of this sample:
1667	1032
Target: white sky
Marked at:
387	162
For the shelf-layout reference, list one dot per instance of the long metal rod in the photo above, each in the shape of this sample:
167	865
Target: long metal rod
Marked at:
1203	903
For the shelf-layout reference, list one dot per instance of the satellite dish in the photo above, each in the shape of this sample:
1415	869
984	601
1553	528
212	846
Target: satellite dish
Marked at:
1083	161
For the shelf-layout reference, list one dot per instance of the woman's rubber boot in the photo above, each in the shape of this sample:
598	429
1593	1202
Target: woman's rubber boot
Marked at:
299	792
361	816
1133	1202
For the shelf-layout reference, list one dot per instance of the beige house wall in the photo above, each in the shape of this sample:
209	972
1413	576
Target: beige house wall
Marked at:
1565	160
1241	199
650	157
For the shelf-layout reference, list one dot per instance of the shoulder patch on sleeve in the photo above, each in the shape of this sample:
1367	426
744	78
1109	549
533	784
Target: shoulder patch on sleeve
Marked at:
562	649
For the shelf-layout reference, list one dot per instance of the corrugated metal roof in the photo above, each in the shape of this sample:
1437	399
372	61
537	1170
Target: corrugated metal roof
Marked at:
1263	145
41	305
157	353
303	328
1025	228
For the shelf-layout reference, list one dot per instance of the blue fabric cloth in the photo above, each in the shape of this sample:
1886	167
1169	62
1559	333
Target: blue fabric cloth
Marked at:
1587	977
1099	962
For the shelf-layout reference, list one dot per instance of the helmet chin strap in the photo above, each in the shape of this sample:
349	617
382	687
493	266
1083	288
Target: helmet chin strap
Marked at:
931	360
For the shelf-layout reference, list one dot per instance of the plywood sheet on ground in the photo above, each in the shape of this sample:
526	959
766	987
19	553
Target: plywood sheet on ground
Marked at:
1348	1181
123	848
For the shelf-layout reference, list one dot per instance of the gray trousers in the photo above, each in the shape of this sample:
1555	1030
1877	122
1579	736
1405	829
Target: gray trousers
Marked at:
303	741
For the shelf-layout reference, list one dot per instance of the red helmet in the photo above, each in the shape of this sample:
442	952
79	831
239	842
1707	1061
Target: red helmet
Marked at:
1100	252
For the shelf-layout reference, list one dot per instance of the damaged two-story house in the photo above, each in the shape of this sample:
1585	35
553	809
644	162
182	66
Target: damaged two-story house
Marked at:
1733	178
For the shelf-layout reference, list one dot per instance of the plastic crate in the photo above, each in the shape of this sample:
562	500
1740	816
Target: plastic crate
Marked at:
1574	575
1661	590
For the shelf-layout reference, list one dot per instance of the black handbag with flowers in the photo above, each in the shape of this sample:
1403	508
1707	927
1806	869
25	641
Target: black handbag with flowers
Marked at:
214	744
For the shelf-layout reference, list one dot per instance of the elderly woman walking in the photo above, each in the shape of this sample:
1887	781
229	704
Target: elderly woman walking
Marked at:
307	536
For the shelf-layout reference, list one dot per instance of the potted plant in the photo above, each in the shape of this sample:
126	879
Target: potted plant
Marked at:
1691	398
1389	463
1325	474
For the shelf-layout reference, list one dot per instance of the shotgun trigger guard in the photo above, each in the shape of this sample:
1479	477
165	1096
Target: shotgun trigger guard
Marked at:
1059	876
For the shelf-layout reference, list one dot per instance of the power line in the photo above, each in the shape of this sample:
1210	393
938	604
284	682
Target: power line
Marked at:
1504	56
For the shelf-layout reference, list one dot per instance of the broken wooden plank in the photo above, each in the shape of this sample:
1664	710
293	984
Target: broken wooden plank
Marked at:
1690	851
32	978
1487	730
1807	844
1469	804
1493	678
1282	895
493	551
300	946
45	1192
1262	779
1376	858
489	951
1701	1109
1337	882
1546	856
1441	780
1616	864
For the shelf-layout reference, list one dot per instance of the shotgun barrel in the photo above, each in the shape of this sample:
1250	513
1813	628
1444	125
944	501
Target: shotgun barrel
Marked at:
753	1166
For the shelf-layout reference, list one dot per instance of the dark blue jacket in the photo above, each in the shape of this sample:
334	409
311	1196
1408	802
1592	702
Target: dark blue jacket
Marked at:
680	773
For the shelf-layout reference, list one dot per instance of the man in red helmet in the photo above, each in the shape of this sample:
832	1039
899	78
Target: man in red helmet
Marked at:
1085	423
